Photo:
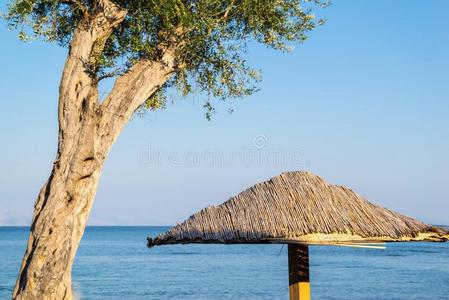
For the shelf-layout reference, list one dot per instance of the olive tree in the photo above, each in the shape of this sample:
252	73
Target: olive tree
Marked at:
147	47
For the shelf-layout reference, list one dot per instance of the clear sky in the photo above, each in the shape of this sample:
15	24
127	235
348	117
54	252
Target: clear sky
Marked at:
363	103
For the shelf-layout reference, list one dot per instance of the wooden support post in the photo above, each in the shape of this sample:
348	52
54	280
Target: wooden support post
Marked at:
298	272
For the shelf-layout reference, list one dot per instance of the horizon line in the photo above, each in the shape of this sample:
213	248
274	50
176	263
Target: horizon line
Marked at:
27	226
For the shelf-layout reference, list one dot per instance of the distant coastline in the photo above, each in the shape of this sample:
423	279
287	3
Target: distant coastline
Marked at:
144	226
97	226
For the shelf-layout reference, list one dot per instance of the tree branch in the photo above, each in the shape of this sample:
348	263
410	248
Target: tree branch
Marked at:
78	94
228	10
130	91
133	88
79	5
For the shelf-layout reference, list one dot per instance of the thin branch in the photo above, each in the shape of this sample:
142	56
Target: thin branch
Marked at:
228	9
79	5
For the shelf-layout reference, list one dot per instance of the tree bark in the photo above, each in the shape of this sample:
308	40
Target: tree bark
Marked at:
60	216
87	130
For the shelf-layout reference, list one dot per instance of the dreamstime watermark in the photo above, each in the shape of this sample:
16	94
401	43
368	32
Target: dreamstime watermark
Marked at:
260	141
257	154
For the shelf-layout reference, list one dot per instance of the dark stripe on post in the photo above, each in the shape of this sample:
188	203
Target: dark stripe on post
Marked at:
298	272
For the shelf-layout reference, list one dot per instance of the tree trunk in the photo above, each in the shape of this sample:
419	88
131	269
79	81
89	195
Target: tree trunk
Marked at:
60	216
87	131
64	202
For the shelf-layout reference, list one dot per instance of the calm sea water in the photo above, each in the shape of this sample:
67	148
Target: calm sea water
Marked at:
114	263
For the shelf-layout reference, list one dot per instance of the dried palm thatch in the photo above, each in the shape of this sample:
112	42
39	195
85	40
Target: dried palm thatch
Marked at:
298	207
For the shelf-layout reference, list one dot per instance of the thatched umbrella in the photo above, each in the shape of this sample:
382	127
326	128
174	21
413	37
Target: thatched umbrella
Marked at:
298	209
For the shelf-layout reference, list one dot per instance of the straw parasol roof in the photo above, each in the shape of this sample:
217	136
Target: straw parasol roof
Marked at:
298	207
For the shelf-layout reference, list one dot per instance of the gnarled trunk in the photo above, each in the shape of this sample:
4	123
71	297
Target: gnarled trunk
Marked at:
60	217
64	202
87	130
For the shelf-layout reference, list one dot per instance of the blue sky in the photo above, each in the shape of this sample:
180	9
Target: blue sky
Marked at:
363	103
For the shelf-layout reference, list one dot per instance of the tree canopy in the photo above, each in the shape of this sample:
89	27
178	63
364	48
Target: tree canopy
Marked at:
209	36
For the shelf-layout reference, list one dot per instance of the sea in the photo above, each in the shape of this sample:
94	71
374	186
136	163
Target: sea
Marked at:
114	263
